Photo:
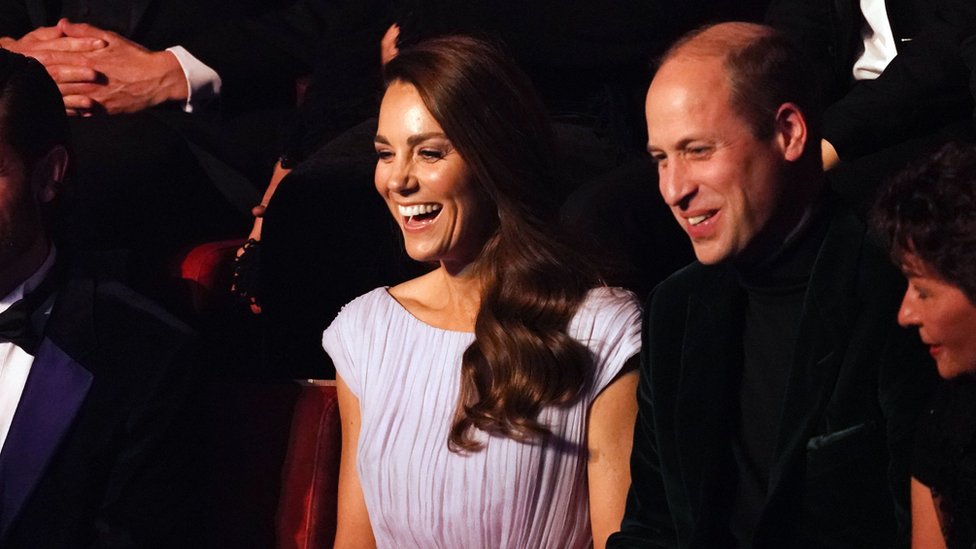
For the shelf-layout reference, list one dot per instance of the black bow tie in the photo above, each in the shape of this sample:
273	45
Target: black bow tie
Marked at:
15	327
15	322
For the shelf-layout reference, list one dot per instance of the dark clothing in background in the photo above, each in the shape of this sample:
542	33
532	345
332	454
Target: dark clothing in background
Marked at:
945	459
921	100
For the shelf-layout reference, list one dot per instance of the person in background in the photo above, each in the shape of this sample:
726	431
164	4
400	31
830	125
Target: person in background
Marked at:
99	420
777	394
489	402
897	80
927	216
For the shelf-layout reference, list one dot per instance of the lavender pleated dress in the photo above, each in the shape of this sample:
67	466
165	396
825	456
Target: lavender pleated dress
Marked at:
406	375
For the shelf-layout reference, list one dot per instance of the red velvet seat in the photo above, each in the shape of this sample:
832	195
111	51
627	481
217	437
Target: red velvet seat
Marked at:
208	269
310	476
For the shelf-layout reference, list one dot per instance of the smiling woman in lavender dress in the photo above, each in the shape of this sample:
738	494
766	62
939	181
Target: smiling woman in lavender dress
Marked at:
490	402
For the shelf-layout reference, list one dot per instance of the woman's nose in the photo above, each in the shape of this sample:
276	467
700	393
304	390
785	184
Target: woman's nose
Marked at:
906	313
402	179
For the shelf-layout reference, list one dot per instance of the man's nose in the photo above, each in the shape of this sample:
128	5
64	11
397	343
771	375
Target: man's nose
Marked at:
676	188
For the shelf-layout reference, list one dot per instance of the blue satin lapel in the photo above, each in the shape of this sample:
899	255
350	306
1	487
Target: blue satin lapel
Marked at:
55	390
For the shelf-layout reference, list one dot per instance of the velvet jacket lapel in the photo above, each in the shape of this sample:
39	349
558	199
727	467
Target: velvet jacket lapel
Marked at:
710	355
829	314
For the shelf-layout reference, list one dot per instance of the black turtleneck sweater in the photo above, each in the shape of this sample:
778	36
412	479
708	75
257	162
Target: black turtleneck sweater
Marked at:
774	292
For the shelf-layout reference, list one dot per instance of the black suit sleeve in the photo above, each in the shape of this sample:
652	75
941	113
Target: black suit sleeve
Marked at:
259	57
153	497
647	520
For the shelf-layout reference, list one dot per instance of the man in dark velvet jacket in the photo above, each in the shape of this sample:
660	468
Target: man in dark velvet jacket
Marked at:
778	395
98	425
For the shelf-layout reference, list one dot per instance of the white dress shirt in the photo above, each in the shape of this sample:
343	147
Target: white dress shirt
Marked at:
15	363
202	83
879	41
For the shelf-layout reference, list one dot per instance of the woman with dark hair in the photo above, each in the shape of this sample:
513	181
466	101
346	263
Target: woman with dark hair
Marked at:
927	215
489	402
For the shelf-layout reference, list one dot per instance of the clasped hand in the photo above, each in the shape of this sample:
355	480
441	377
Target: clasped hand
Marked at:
101	71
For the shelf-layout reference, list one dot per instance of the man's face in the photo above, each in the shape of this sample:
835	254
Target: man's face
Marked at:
723	185
21	227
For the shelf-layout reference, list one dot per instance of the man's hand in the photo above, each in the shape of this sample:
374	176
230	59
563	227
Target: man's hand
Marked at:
129	78
46	44
50	39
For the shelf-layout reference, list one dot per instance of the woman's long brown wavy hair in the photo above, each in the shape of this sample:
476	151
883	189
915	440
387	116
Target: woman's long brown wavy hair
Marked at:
522	359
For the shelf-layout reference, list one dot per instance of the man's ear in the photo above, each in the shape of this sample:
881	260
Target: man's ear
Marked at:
791	131
49	174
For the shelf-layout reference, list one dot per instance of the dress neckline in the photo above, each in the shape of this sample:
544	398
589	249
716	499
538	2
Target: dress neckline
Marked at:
399	306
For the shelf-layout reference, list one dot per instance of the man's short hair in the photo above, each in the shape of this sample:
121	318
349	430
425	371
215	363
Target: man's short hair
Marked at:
764	70
32	114
929	210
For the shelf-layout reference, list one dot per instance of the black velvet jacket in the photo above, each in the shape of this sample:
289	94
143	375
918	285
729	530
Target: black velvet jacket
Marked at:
840	477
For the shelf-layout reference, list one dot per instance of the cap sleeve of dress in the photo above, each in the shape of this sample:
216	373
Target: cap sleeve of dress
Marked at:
345	339
608	322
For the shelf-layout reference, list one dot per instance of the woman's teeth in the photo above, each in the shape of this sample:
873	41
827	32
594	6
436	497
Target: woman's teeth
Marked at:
418	209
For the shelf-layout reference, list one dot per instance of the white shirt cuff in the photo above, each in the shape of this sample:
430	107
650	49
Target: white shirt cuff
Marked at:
202	83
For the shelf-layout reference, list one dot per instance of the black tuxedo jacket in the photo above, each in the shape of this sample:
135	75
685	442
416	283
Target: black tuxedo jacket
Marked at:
841	472
923	89
102	450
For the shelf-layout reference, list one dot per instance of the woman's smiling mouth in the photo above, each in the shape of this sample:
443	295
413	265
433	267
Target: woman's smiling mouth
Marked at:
418	215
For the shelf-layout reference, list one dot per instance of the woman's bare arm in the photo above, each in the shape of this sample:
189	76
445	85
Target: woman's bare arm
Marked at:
353	530
610	436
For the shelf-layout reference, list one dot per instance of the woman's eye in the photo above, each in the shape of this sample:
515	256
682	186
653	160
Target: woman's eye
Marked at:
431	154
384	154
920	293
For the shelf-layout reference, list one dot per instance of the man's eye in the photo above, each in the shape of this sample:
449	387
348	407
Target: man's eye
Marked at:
658	158
699	151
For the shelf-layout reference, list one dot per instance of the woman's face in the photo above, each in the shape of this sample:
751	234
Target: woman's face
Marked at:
945	318
426	184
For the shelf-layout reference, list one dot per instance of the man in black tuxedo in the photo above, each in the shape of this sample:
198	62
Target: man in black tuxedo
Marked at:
97	421
778	395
